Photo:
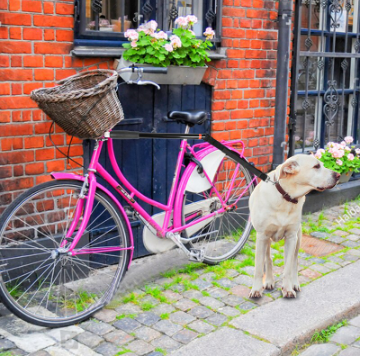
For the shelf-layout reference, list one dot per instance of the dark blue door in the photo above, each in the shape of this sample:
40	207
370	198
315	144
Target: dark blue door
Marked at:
150	164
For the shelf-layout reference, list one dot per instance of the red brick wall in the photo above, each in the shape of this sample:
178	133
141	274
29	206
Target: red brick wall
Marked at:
36	38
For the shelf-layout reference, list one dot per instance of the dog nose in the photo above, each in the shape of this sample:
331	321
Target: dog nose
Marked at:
337	176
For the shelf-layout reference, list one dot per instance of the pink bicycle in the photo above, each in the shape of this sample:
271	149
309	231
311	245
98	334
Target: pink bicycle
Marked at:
65	245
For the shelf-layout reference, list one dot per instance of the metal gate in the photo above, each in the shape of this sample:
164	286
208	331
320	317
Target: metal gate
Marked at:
325	91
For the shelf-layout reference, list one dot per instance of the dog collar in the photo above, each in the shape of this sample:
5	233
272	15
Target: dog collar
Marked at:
285	195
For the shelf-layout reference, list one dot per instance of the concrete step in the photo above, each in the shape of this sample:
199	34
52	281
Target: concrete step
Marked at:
286	323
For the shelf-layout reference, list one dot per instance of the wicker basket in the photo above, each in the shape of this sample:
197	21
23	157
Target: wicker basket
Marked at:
84	105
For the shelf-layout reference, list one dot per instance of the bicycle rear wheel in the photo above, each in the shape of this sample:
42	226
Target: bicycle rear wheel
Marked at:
222	236
51	288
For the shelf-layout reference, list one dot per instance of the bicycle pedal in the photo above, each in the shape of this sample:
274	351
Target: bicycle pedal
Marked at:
196	255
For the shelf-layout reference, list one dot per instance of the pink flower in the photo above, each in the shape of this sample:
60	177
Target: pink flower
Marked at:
339	162
343	143
182	21
338	153
175	41
133	44
151	26
358	151
319	152
350	157
160	35
192	32
131	34
168	48
192	19
348	139
209	33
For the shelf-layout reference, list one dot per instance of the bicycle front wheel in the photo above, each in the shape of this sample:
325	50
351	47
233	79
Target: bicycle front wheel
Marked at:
222	236
48	287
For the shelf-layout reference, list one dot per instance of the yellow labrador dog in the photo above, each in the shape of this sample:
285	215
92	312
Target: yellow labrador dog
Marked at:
276	213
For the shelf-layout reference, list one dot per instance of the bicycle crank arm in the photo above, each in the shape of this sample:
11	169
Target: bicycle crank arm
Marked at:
195	255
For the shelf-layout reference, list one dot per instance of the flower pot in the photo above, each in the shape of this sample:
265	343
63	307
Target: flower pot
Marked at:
176	75
345	177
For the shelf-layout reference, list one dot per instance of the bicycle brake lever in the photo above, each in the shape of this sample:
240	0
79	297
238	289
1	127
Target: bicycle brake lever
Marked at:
140	82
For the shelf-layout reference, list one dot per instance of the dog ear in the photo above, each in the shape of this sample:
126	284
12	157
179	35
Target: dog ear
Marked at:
289	168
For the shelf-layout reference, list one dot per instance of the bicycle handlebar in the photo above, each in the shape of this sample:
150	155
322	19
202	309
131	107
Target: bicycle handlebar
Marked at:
150	70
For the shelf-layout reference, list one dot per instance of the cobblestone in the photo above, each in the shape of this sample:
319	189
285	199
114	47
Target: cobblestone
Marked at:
200	312
126	324
89	339
201	327
167	343
211	302
185	336
181	318
147	318
140	347
167	327
107	349
97	328
118	337
146	333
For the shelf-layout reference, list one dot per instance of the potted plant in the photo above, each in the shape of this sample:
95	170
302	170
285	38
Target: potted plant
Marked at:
181	52
341	157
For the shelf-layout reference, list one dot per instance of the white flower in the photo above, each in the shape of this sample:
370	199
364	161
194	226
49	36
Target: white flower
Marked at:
168	48
133	44
181	21
358	151
192	19
348	139
151	26
209	33
175	41
339	162
160	35
131	34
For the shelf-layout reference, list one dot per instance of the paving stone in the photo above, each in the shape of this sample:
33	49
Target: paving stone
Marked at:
229	312
149	299
319	268
97	328
140	347
32	342
147	318
66	333
227	342
89	339
353	237
350	351
193	294
118	337
350	244
355	321
232	300
185	336
232	273
200	312
106	315
332	265
357	344
201	327
326	349
178	288
181	318
340	233
163	308
167	343
247	306
218	292
201	283
146	333
3	310
6	345
349	257
355	231
155	354
241	291
320	235
79	349
354	252
184	304
318	260
167	327
171	295
336	239
209	277
225	283
128	308
19	352
346	335
331	296
249	270
16	326
303	279
107	349
127	324
263	300
217	319
54	351
310	273
244	280
211	302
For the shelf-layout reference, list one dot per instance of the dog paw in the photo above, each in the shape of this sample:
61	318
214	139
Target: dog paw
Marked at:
269	285
256	293
290	293
296	287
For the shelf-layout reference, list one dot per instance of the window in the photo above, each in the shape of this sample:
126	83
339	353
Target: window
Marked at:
103	22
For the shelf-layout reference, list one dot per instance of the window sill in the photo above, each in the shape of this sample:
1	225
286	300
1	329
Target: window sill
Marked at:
90	51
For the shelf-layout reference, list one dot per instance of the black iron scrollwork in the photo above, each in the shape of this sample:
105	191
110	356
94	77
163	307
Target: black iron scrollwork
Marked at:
96	6
210	14
336	12
147	10
173	13
331	99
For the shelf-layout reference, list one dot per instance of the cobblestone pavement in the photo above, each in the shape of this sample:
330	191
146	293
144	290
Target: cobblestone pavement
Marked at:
182	305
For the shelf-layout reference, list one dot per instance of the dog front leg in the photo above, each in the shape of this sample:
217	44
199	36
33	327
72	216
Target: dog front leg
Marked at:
261	249
294	272
269	278
290	246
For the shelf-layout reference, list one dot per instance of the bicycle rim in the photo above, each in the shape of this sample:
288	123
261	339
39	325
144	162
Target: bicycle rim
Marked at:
55	289
223	236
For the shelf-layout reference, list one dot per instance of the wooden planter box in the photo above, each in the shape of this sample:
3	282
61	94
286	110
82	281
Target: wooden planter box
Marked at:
176	75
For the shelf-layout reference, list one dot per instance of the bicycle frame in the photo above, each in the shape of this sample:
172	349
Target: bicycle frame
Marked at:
173	205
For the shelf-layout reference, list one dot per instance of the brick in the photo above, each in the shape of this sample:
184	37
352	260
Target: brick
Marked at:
233	12
4	116
61	74
16	102
31	6
49	35
3	4
64	35
4	61
17	184
5	171
33	61
231	32
16	61
16	157
34	142
4	89
34	168
15	33
15	19
53	61
52	48
45	154
48	8
15	5
32	34
43	74
16	47
53	21
64	9
28	87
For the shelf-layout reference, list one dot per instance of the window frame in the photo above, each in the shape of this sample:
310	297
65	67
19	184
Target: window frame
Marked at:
84	37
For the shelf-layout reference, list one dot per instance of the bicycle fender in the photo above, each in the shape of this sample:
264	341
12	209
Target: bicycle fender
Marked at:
72	176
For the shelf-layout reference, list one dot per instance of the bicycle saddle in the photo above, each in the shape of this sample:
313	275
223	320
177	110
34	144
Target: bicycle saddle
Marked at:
190	118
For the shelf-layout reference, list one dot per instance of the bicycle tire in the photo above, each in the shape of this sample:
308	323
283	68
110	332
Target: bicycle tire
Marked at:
247	226
91	267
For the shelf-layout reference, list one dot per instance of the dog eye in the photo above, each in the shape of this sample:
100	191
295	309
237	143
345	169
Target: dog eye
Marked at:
317	166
